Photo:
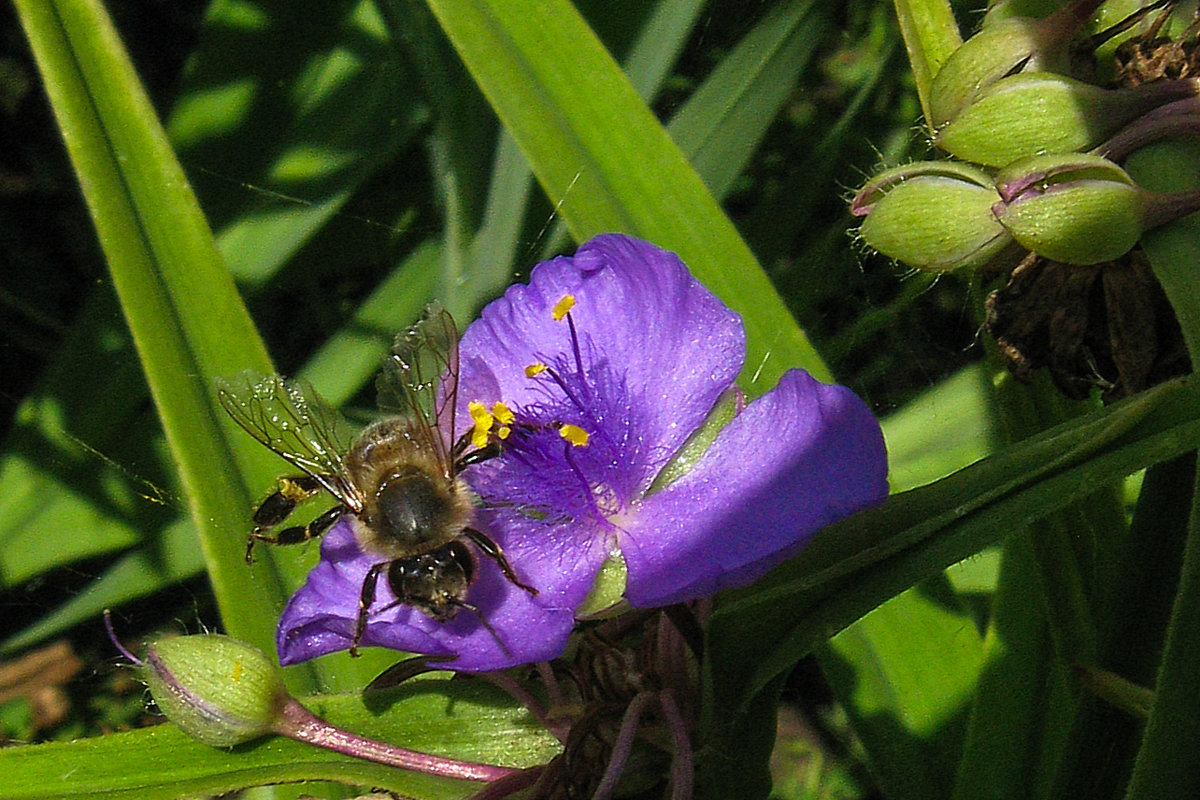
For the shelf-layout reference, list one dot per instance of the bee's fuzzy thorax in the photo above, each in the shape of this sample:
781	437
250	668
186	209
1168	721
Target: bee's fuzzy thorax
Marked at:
389	449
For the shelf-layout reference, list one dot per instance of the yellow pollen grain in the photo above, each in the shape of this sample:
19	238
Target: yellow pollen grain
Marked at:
563	307
535	369
573	434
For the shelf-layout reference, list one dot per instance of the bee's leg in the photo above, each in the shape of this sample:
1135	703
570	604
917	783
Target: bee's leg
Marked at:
465	459
295	534
365	599
279	506
493	551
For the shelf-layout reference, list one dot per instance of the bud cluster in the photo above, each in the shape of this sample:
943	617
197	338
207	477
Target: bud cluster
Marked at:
1034	155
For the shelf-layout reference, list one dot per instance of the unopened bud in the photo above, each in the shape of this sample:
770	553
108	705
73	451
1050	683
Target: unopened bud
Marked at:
1074	208
215	689
1003	47
933	215
1036	112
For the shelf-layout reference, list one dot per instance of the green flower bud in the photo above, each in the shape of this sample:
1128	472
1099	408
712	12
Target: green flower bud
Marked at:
1075	208
1003	47
933	215
1036	112
215	689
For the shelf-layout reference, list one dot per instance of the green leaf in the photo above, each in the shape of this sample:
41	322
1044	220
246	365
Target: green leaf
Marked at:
466	720
724	120
1168	763
931	35
61	472
162	261
941	430
607	164
294	112
172	557
852	566
881	669
1133	620
1022	694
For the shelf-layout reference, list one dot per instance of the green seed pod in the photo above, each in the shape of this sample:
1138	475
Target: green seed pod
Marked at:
215	689
934	215
1074	208
1036	112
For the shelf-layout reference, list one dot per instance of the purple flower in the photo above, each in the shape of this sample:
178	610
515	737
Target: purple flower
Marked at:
602	398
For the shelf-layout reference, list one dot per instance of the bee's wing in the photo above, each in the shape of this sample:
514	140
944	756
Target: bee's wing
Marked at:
291	419
420	379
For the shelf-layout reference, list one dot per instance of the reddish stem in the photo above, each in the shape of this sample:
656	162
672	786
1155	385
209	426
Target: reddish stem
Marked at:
297	722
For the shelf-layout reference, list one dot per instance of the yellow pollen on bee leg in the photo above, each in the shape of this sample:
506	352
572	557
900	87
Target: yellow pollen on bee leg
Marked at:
563	306
483	423
573	434
535	369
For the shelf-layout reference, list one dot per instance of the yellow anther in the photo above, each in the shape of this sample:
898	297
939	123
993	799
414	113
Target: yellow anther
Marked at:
535	369
503	432
503	414
573	434
562	307
483	423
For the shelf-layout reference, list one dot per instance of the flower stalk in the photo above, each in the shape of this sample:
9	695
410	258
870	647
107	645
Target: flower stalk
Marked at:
224	692
296	722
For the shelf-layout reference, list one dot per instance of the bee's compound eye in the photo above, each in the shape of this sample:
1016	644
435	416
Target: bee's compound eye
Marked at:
412	508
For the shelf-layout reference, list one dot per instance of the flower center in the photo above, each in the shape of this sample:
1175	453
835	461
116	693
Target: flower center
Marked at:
564	456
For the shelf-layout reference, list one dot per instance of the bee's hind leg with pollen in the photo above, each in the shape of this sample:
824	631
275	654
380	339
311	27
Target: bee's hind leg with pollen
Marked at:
280	505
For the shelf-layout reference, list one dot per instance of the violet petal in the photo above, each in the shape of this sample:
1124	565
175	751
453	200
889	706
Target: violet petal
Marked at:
800	457
320	617
640	315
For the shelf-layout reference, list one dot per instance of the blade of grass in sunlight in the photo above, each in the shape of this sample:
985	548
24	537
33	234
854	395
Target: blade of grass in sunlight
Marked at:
187	321
481	726
842	573
281	119
606	162
61	474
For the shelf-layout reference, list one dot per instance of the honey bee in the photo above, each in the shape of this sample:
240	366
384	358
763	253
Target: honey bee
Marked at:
397	482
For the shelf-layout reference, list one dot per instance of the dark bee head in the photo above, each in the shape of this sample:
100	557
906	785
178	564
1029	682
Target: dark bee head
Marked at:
436	582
